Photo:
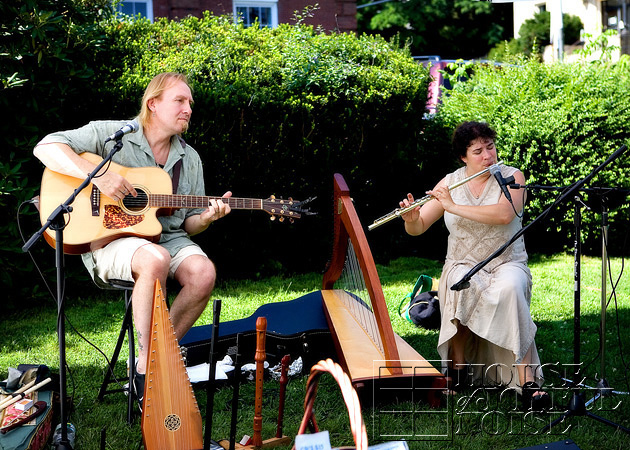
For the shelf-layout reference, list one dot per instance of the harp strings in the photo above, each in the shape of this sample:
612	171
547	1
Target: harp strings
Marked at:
359	302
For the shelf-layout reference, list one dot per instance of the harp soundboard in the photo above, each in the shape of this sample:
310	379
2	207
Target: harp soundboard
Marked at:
170	415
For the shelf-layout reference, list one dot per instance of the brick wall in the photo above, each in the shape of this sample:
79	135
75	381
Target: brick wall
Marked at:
332	15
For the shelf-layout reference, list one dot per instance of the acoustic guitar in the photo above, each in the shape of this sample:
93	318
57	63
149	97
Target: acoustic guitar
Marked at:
96	219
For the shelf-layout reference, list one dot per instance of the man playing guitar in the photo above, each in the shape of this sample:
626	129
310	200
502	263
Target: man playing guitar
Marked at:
164	116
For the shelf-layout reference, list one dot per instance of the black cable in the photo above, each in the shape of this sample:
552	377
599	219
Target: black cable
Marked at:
613	294
621	352
522	214
41	274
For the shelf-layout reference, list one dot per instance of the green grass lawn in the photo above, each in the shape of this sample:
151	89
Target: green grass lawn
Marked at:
479	420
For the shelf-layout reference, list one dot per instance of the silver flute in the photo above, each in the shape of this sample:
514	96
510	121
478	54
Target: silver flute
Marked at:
421	201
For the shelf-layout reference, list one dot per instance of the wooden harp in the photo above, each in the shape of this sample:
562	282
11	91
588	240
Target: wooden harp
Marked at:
354	304
170	415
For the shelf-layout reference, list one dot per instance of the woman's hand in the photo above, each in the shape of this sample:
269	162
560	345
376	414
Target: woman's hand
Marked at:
443	195
412	215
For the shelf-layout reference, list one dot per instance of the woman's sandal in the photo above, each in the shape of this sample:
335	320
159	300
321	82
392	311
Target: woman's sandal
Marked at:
532	401
459	380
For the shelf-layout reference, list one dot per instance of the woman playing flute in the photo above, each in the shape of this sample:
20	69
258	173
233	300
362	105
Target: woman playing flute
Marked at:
487	332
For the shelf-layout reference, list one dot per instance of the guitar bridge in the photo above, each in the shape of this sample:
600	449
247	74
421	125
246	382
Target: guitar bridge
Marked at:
95	200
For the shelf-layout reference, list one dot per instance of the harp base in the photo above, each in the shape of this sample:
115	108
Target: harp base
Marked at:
382	391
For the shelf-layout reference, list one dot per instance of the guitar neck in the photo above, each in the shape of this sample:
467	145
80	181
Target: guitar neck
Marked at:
197	201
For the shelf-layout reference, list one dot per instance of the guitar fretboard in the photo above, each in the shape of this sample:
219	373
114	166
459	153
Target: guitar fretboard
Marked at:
195	201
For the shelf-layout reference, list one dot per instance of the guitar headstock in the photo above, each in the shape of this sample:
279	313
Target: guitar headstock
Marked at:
291	209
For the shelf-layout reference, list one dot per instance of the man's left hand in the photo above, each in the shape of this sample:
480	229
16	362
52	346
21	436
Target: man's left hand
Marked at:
216	210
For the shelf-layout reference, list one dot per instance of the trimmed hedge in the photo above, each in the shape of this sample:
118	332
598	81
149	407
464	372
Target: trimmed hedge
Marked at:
279	111
47	64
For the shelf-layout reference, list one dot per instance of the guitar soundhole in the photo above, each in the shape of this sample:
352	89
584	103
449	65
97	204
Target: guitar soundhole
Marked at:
136	204
172	422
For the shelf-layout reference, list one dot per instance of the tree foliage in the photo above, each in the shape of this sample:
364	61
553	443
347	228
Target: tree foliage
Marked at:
447	28
535	34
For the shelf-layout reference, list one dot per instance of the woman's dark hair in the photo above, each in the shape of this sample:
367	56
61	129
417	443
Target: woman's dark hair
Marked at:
468	132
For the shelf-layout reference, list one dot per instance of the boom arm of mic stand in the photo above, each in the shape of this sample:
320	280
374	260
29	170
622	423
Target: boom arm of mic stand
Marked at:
464	283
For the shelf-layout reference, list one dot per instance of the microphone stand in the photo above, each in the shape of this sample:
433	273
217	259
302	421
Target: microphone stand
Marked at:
577	405
603	387
56	222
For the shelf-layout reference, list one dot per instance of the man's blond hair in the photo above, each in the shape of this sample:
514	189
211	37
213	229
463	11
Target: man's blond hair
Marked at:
155	88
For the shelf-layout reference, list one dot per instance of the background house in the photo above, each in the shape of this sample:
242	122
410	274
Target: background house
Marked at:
596	15
338	15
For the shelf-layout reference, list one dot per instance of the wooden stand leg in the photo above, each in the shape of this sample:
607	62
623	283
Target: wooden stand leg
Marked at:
286	359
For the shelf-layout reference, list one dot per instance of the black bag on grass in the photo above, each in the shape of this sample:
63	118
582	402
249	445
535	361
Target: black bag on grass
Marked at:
423	309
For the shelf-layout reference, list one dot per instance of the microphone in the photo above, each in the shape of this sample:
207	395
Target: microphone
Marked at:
131	127
496	171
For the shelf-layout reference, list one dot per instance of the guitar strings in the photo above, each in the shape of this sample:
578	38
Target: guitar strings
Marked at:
165	200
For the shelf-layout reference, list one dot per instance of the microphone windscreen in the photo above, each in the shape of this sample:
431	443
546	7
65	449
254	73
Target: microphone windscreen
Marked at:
134	125
494	169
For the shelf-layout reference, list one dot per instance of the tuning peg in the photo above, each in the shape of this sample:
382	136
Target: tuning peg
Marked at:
272	218
281	219
291	220
272	197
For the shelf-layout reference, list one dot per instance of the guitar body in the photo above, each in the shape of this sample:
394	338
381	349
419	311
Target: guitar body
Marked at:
96	219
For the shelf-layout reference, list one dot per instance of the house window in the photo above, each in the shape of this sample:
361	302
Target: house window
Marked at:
135	7
264	11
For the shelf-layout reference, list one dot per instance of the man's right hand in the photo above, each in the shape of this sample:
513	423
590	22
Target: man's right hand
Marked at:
114	185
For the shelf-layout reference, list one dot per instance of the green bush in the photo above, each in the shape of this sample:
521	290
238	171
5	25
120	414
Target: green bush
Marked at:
279	111
557	123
